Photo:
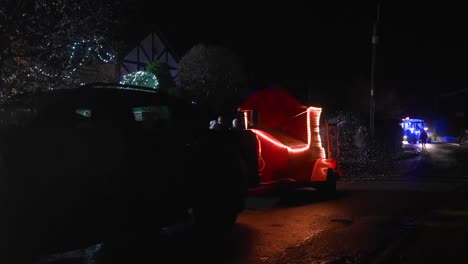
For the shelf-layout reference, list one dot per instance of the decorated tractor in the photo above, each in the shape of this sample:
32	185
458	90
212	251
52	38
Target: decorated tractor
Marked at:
293	148
412	128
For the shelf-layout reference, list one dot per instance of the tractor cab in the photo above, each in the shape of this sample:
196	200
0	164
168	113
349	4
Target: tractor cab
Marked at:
412	128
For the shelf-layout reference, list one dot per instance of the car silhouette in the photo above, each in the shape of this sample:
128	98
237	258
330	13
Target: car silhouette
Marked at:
109	163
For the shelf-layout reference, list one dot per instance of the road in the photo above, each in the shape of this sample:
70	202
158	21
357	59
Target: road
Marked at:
368	221
416	214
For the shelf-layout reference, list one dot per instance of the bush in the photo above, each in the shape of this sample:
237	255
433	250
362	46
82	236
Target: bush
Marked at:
361	156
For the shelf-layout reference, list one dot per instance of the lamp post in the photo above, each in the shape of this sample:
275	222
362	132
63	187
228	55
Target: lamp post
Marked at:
375	40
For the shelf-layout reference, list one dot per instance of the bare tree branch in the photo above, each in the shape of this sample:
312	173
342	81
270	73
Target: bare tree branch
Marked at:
42	42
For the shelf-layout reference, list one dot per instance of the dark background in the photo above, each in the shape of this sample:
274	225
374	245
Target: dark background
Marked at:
322	52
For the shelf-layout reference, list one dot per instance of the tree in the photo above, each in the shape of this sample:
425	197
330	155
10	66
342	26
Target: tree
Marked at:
44	42
141	78
162	72
213	75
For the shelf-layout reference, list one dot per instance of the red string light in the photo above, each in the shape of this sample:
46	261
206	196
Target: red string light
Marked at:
316	111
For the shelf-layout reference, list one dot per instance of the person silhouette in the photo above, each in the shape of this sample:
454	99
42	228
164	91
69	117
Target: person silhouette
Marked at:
423	138
235	124
220	124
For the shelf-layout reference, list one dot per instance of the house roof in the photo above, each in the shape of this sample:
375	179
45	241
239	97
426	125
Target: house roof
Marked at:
133	34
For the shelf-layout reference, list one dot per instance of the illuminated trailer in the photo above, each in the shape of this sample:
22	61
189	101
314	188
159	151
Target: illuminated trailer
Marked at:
293	148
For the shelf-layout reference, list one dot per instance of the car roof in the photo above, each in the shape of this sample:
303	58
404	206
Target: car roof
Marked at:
109	91
104	88
104	95
119	86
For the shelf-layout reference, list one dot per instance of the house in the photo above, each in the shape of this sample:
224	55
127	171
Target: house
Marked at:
153	47
136	56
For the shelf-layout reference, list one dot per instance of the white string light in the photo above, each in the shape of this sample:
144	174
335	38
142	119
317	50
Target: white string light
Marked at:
52	63
140	78
87	49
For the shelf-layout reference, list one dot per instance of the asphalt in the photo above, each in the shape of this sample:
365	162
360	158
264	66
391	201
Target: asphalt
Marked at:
418	214
410	151
429	228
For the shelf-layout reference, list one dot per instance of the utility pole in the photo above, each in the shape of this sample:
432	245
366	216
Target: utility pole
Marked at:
375	41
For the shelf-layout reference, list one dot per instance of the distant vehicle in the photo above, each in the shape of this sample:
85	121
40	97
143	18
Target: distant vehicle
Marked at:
412	130
293	149
102	162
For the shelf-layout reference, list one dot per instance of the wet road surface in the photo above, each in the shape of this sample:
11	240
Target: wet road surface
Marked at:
417	214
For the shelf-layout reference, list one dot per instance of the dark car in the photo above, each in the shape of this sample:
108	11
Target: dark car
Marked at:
107	162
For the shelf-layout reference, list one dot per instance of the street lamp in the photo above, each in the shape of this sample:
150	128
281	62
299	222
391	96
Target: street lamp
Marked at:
375	40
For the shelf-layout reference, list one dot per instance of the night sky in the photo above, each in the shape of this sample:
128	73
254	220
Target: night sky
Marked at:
322	52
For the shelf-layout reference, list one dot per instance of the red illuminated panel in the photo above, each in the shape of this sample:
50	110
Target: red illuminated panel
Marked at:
246	121
320	171
313	134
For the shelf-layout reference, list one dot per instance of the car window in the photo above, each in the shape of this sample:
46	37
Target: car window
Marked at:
153	116
160	112
82	118
17	117
84	112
